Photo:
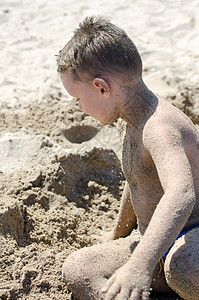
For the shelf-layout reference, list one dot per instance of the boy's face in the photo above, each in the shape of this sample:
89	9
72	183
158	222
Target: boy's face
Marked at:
93	98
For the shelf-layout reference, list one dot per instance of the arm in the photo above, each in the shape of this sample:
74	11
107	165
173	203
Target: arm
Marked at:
126	219
173	210
170	215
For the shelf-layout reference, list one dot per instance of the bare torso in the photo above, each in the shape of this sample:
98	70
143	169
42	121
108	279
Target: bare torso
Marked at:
140	170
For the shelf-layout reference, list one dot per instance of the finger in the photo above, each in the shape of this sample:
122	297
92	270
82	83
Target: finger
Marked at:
112	292
145	295
124	294
135	295
108	284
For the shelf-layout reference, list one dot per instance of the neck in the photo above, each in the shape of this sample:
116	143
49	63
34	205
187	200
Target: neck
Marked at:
139	104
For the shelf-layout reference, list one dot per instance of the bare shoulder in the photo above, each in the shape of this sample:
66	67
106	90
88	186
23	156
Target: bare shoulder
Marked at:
169	126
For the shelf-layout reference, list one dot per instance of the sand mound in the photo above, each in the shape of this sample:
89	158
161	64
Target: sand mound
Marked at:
54	200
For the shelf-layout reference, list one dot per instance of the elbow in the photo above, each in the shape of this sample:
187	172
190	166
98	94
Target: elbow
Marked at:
189	200
189	194
184	196
189	203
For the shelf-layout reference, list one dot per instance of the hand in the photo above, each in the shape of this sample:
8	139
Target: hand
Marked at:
129	282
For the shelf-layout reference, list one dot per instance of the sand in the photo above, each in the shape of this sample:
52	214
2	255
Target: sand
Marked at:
60	170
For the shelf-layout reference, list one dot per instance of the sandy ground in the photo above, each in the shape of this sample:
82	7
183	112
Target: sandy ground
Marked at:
60	172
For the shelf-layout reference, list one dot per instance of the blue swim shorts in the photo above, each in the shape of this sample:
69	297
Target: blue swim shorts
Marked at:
162	260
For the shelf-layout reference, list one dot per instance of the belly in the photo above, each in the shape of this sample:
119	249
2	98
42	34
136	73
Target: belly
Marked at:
144	198
141	174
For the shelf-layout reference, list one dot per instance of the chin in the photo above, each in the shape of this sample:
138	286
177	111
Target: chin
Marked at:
104	123
109	122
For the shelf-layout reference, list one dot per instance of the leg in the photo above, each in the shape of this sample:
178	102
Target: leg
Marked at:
182	266
86	270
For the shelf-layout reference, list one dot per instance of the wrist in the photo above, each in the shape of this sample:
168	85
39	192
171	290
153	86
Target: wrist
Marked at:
142	259
139	263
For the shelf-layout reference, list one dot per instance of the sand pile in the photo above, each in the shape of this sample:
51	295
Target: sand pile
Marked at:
54	198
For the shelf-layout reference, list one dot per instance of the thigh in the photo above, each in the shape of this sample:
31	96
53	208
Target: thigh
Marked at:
182	264
103	259
85	271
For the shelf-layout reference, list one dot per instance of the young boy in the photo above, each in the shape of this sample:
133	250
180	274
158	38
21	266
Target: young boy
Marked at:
101	67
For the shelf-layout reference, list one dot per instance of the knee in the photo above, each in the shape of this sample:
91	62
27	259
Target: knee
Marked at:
81	274
182	273
74	269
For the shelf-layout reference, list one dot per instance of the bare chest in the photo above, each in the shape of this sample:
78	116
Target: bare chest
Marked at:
141	174
134	161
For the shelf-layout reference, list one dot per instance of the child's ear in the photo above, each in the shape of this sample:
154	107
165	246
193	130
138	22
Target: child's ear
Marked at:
102	86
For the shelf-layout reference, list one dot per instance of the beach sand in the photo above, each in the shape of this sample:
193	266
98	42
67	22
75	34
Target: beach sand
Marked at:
60	170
